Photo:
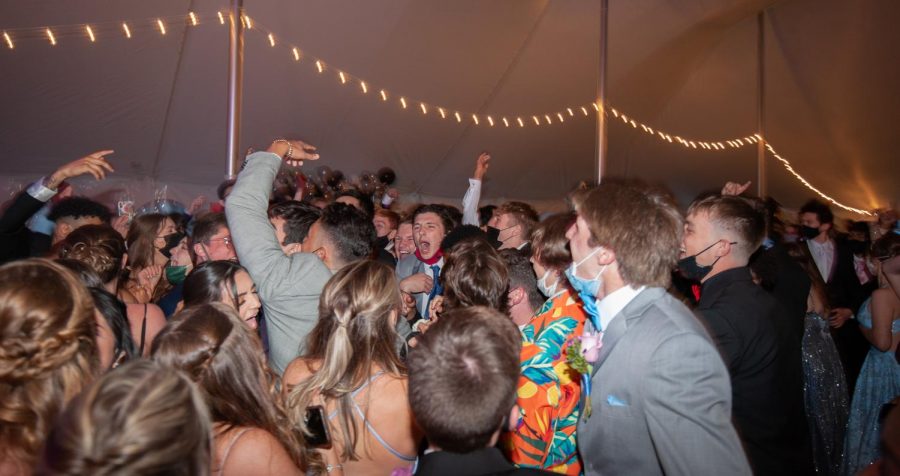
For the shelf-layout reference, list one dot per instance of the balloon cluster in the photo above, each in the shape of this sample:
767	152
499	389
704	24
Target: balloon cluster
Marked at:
326	183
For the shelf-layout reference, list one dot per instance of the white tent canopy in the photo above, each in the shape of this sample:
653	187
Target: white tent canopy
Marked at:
687	67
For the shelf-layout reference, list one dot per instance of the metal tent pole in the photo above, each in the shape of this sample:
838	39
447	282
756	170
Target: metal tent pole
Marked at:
602	159
235	84
761	185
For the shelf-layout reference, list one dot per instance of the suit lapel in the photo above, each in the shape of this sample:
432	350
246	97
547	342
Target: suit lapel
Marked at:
620	324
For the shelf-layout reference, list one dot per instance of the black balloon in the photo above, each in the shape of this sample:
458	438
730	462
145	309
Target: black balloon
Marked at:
386	175
335	178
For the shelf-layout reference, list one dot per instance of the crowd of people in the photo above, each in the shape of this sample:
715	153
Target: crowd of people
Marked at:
288	334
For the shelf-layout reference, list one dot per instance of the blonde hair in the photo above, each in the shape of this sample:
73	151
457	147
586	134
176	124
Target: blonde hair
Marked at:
142	418
354	332
47	351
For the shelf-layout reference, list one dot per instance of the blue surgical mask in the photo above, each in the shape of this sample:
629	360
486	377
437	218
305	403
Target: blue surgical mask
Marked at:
545	289
587	289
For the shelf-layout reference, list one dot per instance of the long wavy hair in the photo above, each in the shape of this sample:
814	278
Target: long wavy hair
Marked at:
47	351
141	418
354	334
141	251
212	345
208	281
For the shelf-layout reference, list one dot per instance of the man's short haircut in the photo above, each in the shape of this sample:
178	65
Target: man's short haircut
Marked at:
521	275
441	211
350	230
745	218
462	378
205	227
485	214
392	217
79	207
523	214
640	224
549	244
364	200
474	274
223	187
821	209
298	218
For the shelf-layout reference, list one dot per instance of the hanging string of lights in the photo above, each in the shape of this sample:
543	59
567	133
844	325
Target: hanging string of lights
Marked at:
159	24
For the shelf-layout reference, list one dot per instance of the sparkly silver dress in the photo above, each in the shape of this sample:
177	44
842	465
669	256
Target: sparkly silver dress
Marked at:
825	392
878	383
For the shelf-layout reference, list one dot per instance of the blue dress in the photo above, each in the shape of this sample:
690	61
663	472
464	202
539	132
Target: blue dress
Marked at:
878	383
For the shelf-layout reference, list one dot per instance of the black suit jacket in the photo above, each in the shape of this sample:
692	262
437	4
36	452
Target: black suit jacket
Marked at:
16	241
761	348
487	461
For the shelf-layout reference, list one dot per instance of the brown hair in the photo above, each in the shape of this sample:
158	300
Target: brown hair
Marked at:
141	418
474	274
549	245
99	246
740	216
463	376
523	214
639	223
817	284
214	347
392	217
47	351
141	251
521	275
886	247
205	227
354	333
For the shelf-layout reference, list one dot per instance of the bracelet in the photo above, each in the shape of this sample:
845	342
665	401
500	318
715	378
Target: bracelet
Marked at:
290	152
331	467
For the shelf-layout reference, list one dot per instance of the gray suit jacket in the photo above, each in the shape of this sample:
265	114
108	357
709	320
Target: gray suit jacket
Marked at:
661	397
409	266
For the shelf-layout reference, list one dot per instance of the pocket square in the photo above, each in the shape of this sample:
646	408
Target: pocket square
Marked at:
615	401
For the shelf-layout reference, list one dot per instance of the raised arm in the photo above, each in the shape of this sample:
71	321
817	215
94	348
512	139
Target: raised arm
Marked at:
473	194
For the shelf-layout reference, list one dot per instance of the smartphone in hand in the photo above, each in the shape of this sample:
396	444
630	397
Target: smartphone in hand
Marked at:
317	426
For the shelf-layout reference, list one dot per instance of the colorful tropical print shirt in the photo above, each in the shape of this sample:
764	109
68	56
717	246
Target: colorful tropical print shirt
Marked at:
549	390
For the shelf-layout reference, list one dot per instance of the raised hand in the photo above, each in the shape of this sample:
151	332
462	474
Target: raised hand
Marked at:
94	164
196	205
293	151
734	188
481	165
149	277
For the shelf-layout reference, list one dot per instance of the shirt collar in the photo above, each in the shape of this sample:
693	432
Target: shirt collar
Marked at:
614	302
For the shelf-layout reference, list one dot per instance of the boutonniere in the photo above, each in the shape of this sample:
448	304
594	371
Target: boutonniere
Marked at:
581	355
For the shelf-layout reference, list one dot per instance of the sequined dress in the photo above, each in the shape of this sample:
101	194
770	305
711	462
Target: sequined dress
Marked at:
825	392
878	383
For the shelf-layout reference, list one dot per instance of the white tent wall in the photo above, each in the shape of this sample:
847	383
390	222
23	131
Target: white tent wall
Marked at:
686	67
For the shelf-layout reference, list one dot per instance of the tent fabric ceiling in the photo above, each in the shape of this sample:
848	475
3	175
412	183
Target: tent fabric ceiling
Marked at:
688	67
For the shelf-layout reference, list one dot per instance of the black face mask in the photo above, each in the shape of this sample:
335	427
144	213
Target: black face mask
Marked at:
172	240
858	247
692	270
493	235
809	232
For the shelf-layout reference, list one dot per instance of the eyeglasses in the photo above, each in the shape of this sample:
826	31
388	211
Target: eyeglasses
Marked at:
225	239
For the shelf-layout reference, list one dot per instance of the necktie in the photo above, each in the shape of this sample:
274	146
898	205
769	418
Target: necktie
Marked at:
436	290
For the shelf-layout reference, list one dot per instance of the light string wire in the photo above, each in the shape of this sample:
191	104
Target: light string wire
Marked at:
94	31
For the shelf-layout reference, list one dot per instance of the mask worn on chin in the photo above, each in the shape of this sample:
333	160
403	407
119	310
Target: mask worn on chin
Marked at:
858	247
692	270
587	289
493	235
548	291
175	274
809	232
172	240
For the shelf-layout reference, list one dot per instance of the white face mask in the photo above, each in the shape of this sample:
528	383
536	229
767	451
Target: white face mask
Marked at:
544	288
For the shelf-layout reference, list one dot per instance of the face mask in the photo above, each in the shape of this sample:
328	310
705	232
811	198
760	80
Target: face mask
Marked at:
809	232
690	269
176	274
493	235
858	247
546	290
172	240
587	289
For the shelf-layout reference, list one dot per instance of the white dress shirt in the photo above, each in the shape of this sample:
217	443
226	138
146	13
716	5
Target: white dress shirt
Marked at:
613	303
823	255
470	203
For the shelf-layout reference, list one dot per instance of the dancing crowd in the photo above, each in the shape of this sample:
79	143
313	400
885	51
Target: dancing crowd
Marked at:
292	334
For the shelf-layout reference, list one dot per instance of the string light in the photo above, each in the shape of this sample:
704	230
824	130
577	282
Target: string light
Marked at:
127	30
8	40
52	38
271	40
221	18
193	18
403	102
297	55
571	114
505	122
424	109
537	121
443	113
458	117
475	119
90	33
490	121
319	66
383	95
365	89
162	26
584	110
560	116
249	23
343	77
521	123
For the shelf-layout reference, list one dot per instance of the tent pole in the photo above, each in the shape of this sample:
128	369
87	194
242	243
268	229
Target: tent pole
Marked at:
235	83
760	104
602	159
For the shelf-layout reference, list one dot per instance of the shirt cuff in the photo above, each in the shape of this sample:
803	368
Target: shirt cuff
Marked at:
39	192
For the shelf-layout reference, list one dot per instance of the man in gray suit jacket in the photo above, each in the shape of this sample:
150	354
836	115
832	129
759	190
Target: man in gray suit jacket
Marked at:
661	396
